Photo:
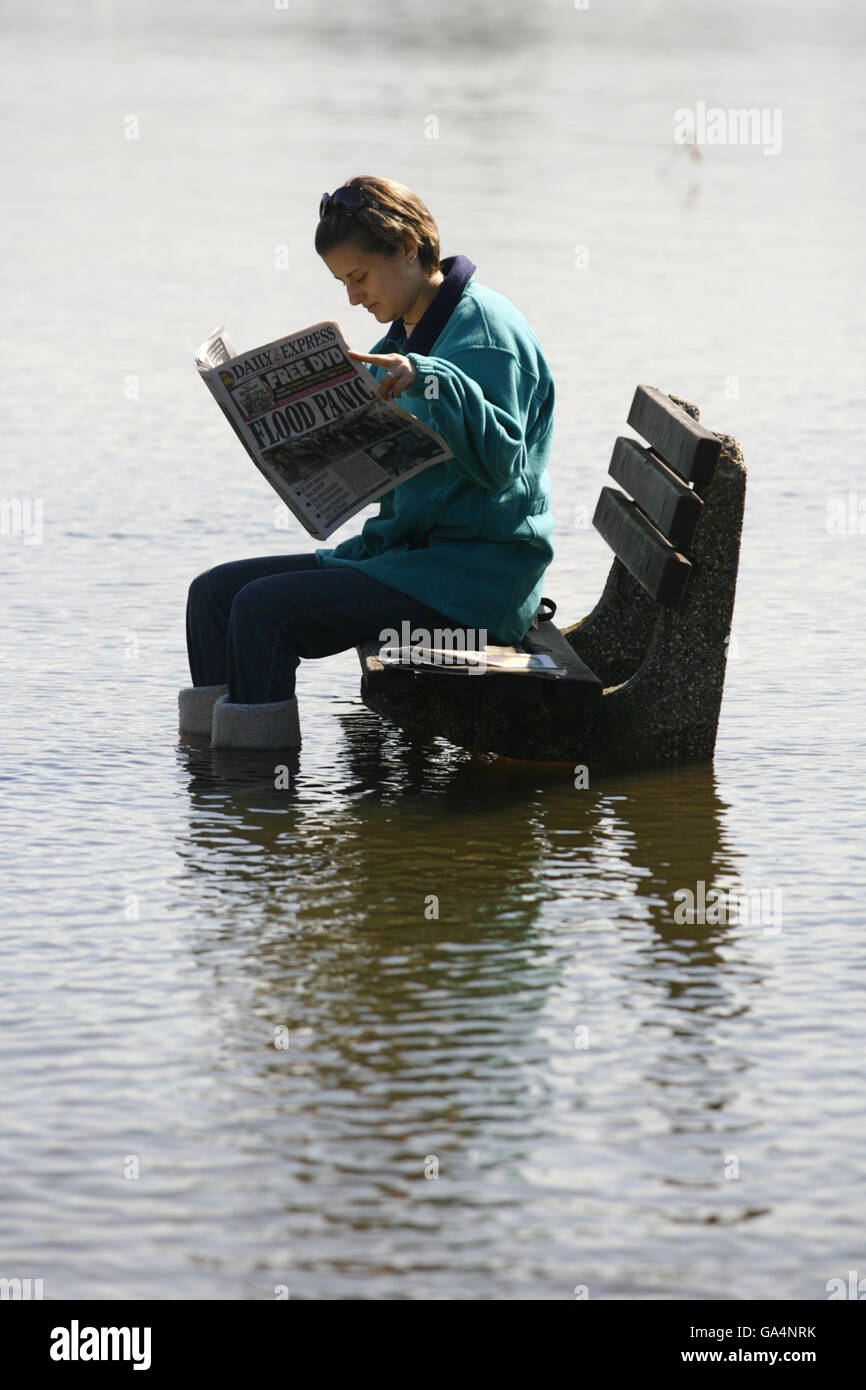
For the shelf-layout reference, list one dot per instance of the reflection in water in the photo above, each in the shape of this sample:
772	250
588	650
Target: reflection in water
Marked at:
452	1037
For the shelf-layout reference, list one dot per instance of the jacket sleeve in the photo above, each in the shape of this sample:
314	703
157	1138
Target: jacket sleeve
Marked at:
353	548
476	402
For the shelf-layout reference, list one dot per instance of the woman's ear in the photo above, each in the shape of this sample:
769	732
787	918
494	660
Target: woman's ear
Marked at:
410	248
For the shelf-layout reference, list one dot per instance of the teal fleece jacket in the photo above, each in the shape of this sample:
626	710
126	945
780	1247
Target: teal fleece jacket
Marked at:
470	536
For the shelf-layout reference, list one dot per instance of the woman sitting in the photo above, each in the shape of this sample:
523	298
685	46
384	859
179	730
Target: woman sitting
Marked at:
464	543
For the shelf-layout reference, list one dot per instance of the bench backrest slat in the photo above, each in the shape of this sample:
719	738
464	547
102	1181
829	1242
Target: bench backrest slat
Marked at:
642	548
687	447
670	504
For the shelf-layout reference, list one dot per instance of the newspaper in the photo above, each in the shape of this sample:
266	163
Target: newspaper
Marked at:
488	657
311	420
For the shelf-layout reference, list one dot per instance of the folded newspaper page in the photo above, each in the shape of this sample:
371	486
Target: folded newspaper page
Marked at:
311	420
488	657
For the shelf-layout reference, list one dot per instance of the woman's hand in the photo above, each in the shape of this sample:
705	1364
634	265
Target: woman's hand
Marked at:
399	372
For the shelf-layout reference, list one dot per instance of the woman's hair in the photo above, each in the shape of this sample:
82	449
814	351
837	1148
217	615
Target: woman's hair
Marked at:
383	232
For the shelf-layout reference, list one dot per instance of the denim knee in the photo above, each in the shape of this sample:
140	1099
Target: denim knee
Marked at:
201	588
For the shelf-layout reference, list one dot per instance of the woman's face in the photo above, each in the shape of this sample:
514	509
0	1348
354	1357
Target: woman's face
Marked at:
387	287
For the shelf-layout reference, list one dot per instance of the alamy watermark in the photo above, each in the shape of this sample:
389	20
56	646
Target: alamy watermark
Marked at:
846	515
77	1343
855	1288
22	516
21	1289
760	908
444	646
738	125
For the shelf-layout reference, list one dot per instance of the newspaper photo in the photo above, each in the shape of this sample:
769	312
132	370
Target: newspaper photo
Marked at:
311	420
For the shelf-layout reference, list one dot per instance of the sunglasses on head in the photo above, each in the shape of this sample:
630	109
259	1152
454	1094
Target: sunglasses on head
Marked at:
349	199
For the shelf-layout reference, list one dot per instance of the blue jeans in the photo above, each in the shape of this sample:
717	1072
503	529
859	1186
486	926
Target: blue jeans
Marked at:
248	622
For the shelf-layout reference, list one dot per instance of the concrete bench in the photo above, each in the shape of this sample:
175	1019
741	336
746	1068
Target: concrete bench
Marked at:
644	671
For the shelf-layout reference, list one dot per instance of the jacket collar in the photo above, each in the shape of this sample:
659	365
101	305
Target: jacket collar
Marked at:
458	272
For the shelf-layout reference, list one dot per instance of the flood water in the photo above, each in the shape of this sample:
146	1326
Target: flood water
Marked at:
238	1056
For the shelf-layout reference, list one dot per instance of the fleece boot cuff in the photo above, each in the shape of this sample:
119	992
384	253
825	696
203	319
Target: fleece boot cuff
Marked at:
271	725
195	708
